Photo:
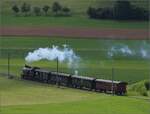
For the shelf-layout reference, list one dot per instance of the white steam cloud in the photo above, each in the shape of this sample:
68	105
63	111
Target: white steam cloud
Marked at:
120	49
64	54
141	51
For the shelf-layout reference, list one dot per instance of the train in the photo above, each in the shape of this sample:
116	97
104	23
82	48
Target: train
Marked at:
73	81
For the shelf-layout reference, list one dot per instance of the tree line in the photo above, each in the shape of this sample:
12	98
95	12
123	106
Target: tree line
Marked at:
122	10
27	10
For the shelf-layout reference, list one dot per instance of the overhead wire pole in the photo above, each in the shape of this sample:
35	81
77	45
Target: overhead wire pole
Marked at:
0	53
112	88
8	72
57	71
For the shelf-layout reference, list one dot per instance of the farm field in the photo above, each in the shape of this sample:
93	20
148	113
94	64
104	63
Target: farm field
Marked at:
92	40
79	18
26	97
75	22
94	62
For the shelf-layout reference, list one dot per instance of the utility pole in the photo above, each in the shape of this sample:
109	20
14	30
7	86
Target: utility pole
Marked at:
0	103
8	73
57	71
112	87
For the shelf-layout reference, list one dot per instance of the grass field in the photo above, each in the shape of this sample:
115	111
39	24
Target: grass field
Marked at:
25	97
94	59
79	18
82	22
77	6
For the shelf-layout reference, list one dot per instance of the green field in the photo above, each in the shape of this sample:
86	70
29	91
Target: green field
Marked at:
25	97
79	18
77	6
82	22
94	59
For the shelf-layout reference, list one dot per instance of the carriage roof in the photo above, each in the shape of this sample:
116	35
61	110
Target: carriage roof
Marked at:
83	77
110	81
60	73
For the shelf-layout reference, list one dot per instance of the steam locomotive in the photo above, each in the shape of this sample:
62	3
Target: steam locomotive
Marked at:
74	81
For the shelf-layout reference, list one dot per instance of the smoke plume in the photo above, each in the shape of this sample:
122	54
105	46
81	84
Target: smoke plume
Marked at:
64	54
141	51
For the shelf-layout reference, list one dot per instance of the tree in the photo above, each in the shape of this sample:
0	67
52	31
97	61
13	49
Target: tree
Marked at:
100	13
56	8
122	10
140	14
66	11
25	8
91	12
45	9
16	9
37	11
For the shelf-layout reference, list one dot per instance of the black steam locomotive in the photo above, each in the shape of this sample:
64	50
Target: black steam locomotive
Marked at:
74	81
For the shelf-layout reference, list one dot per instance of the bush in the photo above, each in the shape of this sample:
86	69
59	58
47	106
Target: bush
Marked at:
147	85
123	10
56	8
92	12
45	9
66	11
138	88
37	11
25	8
100	13
16	9
143	91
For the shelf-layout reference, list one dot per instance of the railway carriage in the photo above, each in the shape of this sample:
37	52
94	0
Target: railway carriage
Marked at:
61	78
83	82
42	75
109	86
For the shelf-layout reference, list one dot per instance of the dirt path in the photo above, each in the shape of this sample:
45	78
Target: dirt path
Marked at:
75	32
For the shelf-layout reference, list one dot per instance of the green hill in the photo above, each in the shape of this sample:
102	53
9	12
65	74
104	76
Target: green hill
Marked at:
26	97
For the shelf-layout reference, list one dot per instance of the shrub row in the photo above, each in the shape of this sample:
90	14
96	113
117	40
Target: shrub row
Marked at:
26	10
122	10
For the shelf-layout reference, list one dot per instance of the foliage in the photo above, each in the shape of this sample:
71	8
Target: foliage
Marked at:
147	85
16	9
123	10
100	13
25	8
66	11
45	9
139	88
37	11
56	8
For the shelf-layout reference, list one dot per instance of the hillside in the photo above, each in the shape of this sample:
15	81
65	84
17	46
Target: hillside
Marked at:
24	97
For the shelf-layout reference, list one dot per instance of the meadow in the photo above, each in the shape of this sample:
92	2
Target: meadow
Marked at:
94	59
26	97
